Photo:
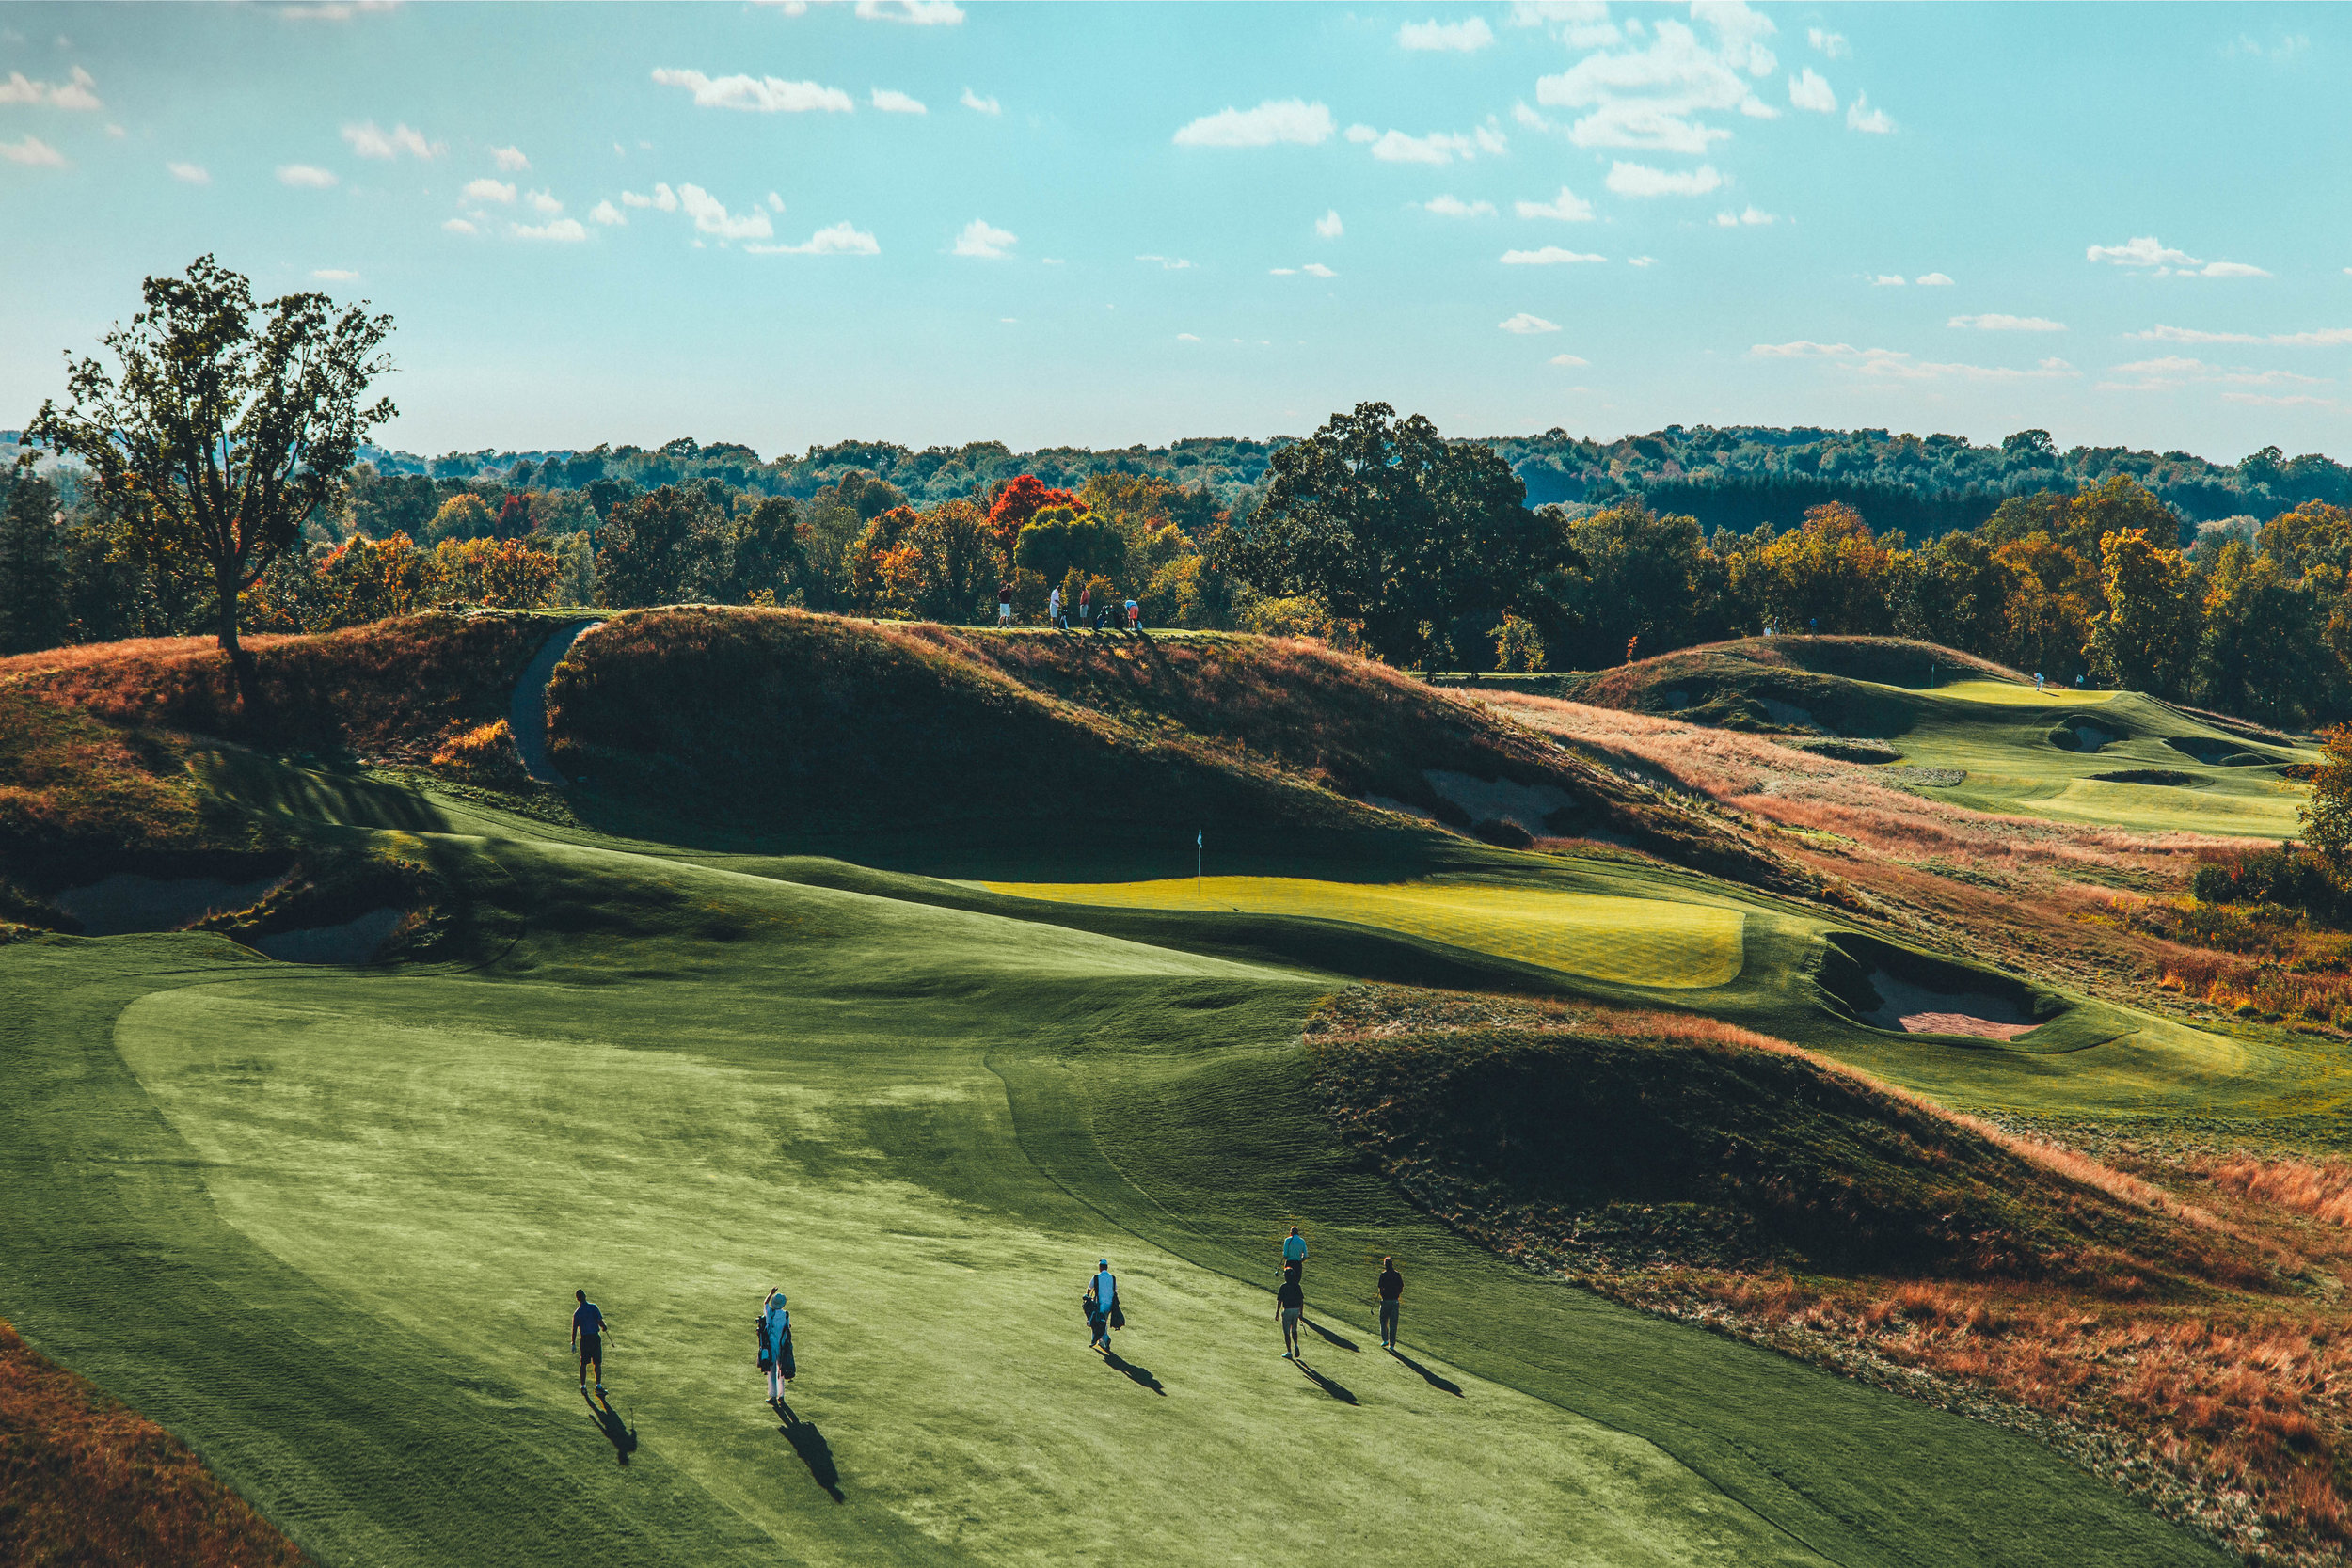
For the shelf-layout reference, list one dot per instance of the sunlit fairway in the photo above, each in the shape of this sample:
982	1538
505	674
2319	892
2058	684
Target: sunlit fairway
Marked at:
1633	941
2008	694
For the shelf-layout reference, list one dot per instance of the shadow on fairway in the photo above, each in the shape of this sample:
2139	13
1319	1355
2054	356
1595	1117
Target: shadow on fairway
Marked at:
814	1450
1336	1390
619	1434
1135	1373
1329	1338
1428	1376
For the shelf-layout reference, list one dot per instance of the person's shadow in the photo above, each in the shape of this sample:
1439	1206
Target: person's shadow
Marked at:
1328	1338
1112	1359
1336	1390
1447	1384
619	1434
814	1450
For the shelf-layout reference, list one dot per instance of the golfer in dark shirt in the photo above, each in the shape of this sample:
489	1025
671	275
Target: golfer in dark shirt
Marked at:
588	1333
1289	1303
1391	1289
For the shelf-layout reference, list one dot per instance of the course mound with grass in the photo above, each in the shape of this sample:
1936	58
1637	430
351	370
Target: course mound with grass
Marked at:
1831	686
1560	1136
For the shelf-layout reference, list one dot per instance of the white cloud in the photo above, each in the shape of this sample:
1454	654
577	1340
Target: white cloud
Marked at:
334	11
980	240
892	102
775	202
1569	360
1640	261
1458	37
916	14
2278	402
985	105
1578	23
372	141
1281	271
307	175
1168	263
2230	269
1932	280
1316	269
510	159
712	216
2008	324
1491	137
459	226
663	200
1641	180
545	202
2326	337
1651	96
564	231
1329	225
74	92
1861	117
760	94
1895	364
1550	256
840	239
1752	217
487	189
2175	371
1832	44
1567	206
1524	324
334	275
1437	147
2146	250
1362	133
1187	336
1529	117
1284	120
1887	281
195	174
1450	206
605	212
1811	90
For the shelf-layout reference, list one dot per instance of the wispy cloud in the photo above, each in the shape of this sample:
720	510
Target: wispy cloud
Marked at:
916	14
840	239
510	160
1653	96
2147	252
2173	372
1525	324
1811	90
460	226
307	176
563	230
758	94
371	140
1329	225
1752	217
984	105
892	102
605	212
1569	360
1451	206
77	91
1896	365
1550	256
544	204
663	200
1276	120
712	216
1832	44
980	239
1861	117
1567	206
1168	263
193	174
2325	337
1889	280
1996	323
1932	280
487	189
333	275
1641	180
1463	37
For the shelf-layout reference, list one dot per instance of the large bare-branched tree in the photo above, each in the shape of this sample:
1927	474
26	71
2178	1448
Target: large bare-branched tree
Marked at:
223	426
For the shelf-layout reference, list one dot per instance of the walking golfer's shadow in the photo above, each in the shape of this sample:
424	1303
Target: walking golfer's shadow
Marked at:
619	1434
814	1450
1329	1338
1140	1374
1447	1384
1336	1390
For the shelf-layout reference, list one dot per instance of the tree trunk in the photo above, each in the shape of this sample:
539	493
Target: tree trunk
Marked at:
240	661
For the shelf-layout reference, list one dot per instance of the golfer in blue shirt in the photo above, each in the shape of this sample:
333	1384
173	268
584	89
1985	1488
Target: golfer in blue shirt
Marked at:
588	1333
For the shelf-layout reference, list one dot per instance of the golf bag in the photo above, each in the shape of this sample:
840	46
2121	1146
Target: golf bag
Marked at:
760	1332
1118	1314
784	1356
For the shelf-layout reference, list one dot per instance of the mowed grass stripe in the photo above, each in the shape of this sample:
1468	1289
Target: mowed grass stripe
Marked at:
1643	941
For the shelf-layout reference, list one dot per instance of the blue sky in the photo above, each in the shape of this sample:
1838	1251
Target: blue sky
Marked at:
1096	224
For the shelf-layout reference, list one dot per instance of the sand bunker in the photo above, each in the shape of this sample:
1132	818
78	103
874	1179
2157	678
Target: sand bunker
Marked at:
1917	1011
354	941
127	902
1499	799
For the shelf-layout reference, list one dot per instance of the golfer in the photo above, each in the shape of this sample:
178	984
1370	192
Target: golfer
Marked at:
776	1333
1391	1292
1135	616
1053	609
1295	1251
1102	1296
1290	1304
588	1333
1003	604
1086	606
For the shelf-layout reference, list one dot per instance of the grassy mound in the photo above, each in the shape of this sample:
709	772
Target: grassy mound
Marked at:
1552	1137
85	1481
1796	684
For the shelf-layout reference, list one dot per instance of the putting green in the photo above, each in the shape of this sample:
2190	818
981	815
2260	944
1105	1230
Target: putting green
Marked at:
2008	694
1643	941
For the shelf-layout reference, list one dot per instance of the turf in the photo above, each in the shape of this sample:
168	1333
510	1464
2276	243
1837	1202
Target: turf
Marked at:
1657	942
359	1202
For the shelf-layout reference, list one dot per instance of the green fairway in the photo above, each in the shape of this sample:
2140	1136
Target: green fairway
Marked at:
1657	942
326	1223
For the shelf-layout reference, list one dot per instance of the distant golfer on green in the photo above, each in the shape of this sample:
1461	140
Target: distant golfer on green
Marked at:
1101	1302
1290	1304
1295	1252
1391	1292
775	1344
588	1333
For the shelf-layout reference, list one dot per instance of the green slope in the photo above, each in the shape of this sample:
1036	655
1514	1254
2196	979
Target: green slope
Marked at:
325	1225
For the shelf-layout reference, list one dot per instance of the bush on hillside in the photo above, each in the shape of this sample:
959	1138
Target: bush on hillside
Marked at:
2289	877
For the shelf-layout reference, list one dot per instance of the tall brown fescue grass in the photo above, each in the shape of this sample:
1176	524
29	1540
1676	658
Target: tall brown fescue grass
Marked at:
87	1483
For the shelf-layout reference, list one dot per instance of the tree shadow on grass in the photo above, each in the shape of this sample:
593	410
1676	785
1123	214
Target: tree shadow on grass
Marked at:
1336	1390
1138	1374
617	1432
1447	1384
814	1450
1329	1338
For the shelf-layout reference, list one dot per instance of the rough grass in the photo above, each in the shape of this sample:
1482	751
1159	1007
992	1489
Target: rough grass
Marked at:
87	1484
1781	683
2164	1333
